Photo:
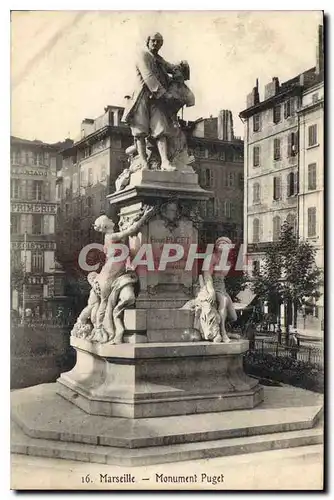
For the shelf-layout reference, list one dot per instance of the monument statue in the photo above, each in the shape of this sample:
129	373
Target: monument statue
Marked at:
151	111
113	289
212	304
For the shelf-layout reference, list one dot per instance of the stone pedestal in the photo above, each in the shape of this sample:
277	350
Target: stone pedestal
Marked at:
175	196
159	379
155	373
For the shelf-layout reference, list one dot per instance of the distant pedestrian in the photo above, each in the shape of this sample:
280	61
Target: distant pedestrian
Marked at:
293	345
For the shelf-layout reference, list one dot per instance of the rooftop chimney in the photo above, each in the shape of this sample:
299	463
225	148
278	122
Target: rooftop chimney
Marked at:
225	125
271	88
253	98
320	50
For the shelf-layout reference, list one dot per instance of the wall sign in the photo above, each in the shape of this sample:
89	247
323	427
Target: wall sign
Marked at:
33	245
39	208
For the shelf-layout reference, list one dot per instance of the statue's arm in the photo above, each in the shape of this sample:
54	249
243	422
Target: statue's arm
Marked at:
146	68
134	228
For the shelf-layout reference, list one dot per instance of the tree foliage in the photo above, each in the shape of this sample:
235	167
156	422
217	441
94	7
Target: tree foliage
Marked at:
16	275
236	280
288	271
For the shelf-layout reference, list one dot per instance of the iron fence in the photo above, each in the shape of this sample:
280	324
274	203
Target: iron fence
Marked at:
312	355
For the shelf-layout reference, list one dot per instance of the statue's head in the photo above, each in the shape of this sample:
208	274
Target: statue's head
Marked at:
103	224
220	242
154	42
170	211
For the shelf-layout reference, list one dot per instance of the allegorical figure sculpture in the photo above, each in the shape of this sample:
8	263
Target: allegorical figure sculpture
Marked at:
212	304
113	289
151	110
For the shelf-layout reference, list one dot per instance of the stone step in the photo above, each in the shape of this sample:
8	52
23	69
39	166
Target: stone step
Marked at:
44	414
23	444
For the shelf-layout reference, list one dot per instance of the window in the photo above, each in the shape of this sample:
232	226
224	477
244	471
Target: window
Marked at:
90	176
227	209
277	113
241	180
16	259
292	144
256	123
14	223
315	98
276	228
277	149
40	158
83	178
37	188
37	262
75	183
292	222
210	208
277	188
289	108
16	157
290	184
312	135
256	230
217	207
311	221
87	152
312	176
203	209
103	172
27	159
208	182
256	192
37	224
230	181
15	189
256	156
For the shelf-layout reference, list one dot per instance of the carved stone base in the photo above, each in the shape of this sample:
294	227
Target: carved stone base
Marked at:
157	325
151	380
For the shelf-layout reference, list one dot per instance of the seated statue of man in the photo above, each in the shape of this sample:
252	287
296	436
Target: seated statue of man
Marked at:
151	110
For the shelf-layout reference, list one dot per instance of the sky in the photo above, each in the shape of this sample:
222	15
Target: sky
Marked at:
68	65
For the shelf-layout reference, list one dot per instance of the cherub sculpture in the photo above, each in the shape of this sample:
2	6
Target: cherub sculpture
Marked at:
114	286
86	321
212	304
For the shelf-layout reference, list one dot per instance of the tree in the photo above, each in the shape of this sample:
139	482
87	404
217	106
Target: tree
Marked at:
16	276
236	280
288	274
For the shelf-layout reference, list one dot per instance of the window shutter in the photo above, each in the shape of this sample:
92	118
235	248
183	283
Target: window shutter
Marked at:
296	183
274	188
278	188
45	229
290	143
29	189
286	109
292	105
311	221
45	187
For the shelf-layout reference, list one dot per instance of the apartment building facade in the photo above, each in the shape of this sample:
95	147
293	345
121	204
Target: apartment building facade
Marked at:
33	212
311	175
283	162
91	166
